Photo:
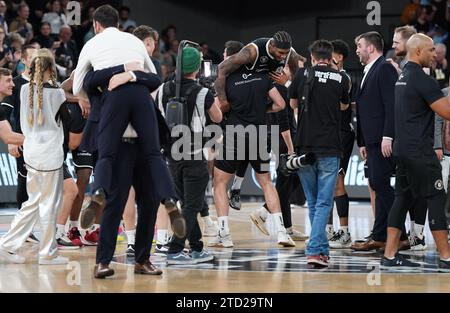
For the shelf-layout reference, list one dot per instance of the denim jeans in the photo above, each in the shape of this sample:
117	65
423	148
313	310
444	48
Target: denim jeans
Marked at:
318	181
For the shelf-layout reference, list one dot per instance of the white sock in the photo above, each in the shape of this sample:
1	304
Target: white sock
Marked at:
262	211
162	236
223	225
95	227
208	221
278	218
60	230
73	224
445	259
418	230
237	182
131	236
345	229
412	228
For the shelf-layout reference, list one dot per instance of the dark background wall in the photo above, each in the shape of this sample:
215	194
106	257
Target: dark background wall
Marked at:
216	22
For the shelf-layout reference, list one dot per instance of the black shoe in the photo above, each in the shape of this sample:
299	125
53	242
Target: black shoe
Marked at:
130	251
88	215
398	262
177	221
235	199
444	266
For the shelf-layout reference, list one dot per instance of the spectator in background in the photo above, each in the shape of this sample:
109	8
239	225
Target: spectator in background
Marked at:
67	53
5	51
55	17
16	47
423	24
168	34
21	24
410	12
89	23
130	29
170	57
440	69
44	38
37	10
149	37
209	54
3	22
124	19
440	15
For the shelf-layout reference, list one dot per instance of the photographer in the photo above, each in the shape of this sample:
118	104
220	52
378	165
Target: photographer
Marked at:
190	174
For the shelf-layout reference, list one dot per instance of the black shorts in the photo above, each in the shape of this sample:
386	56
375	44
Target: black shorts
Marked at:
422	175
347	140
66	173
82	160
229	159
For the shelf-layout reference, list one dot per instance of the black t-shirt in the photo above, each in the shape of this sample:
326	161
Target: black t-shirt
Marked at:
247	93
77	121
319	127
13	102
265	62
415	91
346	118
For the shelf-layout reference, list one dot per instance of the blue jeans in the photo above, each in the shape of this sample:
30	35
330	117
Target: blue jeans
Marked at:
318	181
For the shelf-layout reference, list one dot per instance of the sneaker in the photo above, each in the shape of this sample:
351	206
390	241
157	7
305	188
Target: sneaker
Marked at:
90	238
202	256
316	261
32	238
130	251
398	262
340	240
330	233
59	260
296	235
64	243
211	229
325	259
221	241
444	266
161	249
259	222
74	235
417	244
285	240
11	257
234	197
179	258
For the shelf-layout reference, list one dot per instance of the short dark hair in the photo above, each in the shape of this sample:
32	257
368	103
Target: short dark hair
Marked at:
144	31
341	47
5	72
107	16
45	23
321	49
406	31
25	48
125	8
282	40
373	38
233	47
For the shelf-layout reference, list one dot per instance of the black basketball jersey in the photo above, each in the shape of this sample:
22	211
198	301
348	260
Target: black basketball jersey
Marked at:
265	62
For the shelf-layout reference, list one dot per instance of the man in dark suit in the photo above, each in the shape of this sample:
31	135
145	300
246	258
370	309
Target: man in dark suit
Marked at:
375	130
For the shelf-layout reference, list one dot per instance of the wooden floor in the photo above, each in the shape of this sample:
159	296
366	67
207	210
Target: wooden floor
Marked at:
255	265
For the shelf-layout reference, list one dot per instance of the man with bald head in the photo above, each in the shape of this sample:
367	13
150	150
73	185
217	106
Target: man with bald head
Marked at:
417	97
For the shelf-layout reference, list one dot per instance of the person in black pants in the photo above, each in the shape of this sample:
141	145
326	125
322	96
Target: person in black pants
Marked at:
190	173
417	98
131	166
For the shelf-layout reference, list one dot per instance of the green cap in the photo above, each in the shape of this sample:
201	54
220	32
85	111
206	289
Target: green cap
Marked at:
191	60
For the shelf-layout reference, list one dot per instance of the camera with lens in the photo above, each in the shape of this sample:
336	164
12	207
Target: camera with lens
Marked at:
289	164
208	74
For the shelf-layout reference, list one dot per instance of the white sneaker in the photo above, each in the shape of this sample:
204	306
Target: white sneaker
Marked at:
296	235
416	243
11	257
330	233
59	260
285	240
211	229
341	240
221	241
259	221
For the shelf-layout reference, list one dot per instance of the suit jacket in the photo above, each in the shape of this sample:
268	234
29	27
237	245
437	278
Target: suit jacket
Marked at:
375	104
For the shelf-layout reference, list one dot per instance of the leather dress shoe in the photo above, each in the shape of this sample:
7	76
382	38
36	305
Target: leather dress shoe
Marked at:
368	245
146	268
177	220
102	271
88	215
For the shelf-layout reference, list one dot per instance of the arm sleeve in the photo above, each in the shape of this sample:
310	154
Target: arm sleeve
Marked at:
95	79
429	90
438	126
83	67
150	80
293	88
387	79
209	100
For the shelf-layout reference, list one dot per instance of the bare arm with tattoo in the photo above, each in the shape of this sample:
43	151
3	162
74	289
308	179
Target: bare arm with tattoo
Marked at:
247	55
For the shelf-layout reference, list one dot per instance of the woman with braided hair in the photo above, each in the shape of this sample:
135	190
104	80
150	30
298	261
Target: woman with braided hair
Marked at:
40	102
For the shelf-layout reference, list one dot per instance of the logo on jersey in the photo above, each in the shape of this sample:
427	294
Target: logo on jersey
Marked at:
245	76
263	59
439	185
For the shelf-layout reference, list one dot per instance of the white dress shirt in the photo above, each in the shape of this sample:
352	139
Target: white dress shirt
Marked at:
107	49
367	69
